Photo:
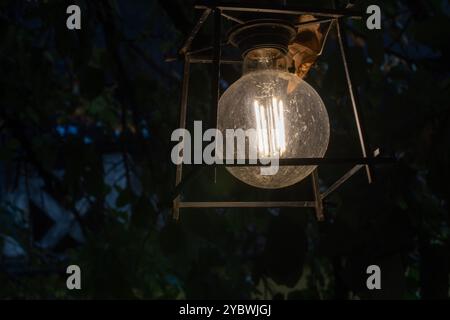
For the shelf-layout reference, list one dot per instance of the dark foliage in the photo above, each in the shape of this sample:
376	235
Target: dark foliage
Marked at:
68	99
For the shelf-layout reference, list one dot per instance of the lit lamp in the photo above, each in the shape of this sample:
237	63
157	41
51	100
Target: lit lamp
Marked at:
288	115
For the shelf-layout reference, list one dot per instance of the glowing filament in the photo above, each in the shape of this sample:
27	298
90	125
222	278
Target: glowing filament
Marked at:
270	127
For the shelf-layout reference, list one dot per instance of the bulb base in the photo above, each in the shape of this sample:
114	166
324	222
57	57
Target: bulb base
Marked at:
262	33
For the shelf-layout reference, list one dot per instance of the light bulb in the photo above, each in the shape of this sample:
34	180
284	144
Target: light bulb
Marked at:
288	115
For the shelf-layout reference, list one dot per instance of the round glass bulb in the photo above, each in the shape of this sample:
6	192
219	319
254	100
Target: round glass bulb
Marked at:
289	117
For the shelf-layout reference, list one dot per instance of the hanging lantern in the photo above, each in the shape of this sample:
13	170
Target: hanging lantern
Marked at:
289	117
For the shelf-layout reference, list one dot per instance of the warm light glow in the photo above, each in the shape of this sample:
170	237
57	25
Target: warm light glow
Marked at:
270	129
287	114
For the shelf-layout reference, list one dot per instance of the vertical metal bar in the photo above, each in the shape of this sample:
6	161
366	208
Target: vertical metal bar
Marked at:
215	68
183	111
215	71
197	27
353	97
330	26
317	198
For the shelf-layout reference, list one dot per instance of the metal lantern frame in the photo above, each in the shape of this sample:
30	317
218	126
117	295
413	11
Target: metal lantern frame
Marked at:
220	11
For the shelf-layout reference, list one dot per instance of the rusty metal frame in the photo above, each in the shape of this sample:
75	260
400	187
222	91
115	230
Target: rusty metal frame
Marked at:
218	11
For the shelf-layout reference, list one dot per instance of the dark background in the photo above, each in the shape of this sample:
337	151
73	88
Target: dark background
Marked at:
86	176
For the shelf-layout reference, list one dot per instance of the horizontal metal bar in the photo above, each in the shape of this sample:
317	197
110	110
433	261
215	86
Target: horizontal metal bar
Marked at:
229	17
301	162
204	59
278	9
205	49
341	180
247	204
210	60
